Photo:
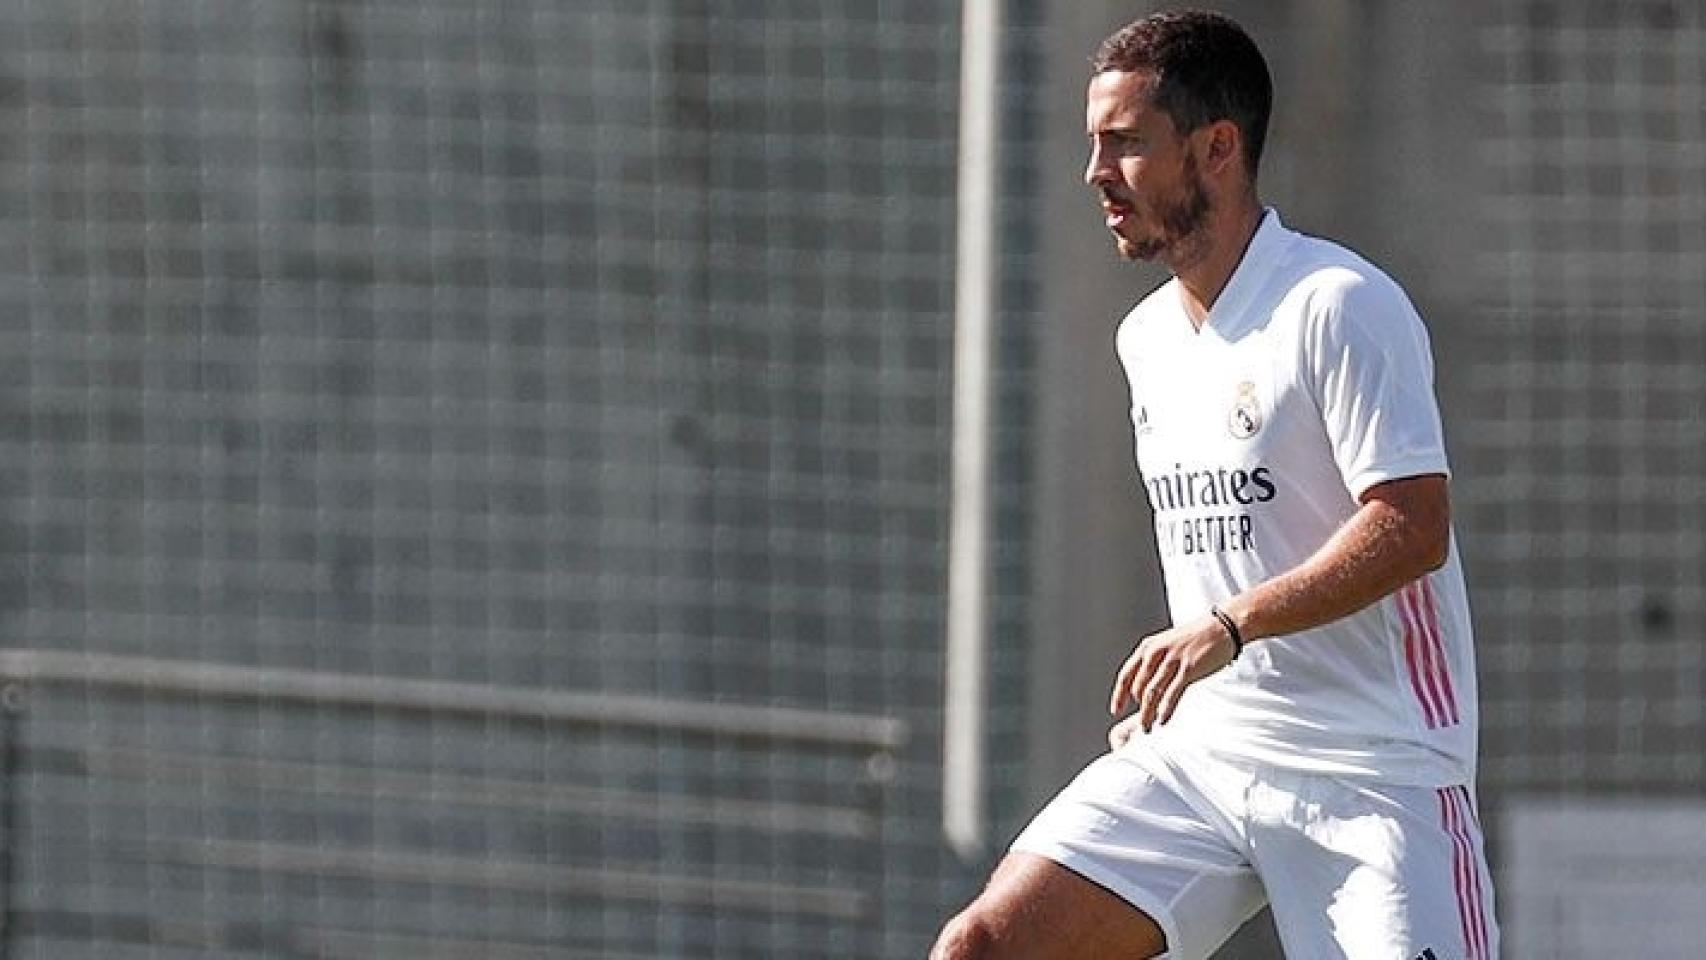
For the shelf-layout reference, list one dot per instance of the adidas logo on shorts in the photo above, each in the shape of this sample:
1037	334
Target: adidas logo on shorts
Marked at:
1426	954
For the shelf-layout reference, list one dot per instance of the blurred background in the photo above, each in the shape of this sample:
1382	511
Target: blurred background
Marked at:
475	476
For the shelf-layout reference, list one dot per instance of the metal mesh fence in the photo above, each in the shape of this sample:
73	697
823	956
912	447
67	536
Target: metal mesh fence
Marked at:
602	348
158	805
1588	521
528	346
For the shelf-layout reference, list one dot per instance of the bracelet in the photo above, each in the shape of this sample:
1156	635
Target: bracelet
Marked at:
1231	630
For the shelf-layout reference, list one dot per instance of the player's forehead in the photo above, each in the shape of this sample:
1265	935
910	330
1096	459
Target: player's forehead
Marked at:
1118	99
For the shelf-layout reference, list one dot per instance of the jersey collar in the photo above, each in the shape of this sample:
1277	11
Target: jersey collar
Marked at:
1231	311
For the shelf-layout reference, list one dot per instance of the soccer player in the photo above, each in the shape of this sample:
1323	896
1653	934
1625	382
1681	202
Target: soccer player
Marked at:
1304	733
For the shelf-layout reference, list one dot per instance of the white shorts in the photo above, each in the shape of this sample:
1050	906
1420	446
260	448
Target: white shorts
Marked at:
1200	843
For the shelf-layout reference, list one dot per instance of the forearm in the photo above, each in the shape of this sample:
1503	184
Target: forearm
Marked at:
1400	533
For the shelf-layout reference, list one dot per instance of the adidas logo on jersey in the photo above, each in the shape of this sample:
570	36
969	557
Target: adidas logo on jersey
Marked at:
1141	421
1427	954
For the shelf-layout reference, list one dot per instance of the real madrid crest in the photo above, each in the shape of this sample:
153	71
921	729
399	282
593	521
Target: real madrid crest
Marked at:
1246	417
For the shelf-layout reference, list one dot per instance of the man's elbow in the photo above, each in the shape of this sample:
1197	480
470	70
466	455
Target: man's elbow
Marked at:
1422	554
1430	535
1435	550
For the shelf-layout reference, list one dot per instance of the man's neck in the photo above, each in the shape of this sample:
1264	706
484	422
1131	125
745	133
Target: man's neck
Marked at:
1205	276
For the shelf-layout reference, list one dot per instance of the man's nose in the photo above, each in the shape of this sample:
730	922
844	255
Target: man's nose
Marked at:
1097	170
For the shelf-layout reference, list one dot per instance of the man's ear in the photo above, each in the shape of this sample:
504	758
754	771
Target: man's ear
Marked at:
1223	145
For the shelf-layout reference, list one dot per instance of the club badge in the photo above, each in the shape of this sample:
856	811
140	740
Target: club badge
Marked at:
1246	417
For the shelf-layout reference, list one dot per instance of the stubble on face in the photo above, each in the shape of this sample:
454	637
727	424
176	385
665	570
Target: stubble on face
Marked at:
1181	224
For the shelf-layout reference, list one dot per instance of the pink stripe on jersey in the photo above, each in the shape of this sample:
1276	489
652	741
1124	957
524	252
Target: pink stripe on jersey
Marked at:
1427	662
1410	660
1457	817
1434	655
1430	607
1417	656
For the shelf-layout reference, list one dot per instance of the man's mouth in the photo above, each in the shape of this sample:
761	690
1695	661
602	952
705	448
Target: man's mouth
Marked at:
1114	208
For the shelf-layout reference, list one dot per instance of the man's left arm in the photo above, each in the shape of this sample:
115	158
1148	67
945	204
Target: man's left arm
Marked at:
1401	531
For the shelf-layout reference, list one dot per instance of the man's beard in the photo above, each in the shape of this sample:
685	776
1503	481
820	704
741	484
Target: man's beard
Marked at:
1181	225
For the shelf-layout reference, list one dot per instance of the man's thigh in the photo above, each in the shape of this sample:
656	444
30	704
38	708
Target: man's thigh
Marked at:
1140	825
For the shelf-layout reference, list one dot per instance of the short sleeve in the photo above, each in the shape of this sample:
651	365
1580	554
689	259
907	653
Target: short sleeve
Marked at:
1371	368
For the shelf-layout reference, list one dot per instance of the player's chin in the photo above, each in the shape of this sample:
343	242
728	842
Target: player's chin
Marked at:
1132	251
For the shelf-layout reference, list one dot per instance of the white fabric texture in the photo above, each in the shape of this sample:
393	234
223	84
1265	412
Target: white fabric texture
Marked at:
1355	871
1310	382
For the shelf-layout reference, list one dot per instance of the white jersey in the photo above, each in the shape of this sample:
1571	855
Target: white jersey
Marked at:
1310	381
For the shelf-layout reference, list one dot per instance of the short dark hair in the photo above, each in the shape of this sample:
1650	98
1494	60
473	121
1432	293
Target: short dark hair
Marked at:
1206	69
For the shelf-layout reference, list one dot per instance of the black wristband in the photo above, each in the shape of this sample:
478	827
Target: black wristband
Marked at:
1231	630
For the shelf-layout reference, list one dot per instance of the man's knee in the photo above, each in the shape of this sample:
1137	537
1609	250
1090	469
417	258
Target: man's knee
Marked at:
1035	909
969	936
